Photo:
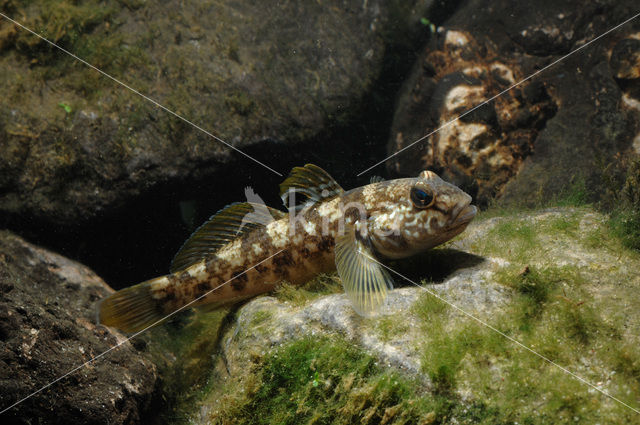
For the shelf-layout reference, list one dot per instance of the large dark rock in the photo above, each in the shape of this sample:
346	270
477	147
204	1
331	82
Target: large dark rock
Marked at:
545	137
485	148
74	143
47	328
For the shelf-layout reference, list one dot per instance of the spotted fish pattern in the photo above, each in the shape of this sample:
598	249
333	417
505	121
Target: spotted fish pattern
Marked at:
247	249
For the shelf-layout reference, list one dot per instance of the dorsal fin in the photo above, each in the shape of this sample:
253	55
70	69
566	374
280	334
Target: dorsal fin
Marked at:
312	182
224	226
376	179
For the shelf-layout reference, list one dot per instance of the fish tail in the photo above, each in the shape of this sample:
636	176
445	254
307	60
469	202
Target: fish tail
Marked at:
131	309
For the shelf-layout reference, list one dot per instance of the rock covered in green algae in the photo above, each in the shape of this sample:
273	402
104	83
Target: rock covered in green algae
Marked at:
269	322
272	72
47	328
554	280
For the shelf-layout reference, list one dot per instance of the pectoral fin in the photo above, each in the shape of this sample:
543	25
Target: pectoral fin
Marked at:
365	281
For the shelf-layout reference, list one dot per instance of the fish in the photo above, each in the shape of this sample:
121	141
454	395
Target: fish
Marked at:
248	249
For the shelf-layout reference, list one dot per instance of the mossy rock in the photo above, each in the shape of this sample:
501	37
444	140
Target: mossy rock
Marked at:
554	280
80	145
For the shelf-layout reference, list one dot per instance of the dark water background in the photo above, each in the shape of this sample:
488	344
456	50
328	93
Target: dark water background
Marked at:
134	240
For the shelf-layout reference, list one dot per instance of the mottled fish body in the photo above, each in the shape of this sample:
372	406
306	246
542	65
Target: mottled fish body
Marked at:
247	249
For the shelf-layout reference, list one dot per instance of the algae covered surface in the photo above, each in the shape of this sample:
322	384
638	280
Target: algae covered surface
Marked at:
279	73
555	280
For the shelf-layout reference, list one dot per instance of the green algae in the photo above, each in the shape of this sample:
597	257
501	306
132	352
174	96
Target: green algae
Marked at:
260	318
625	218
555	312
31	65
517	237
389	327
185	350
517	386
622	199
65	23
321	285
577	194
85	29
626	226
470	372
325	380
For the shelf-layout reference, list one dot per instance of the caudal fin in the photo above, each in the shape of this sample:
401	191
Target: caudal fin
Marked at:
131	309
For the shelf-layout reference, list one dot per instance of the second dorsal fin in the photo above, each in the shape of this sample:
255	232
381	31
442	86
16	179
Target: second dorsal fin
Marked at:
312	182
226	225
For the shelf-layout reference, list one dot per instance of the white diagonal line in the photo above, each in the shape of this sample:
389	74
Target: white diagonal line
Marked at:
164	108
448	123
133	336
515	341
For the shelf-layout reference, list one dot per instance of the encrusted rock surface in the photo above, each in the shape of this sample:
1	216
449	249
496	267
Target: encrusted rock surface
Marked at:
47	328
464	279
554	131
486	147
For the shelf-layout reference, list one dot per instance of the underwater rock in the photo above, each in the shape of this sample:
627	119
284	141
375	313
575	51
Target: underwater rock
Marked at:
47	328
267	76
541	139
484	149
269	322
625	58
553	279
625	65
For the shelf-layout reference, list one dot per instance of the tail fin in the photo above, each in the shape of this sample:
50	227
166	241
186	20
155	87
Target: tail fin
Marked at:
131	309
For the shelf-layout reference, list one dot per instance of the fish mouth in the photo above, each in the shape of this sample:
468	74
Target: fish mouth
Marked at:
464	216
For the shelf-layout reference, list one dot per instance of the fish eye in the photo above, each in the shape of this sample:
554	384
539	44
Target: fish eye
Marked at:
421	198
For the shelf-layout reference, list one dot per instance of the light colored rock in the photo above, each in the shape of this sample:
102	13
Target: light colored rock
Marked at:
586	322
278	322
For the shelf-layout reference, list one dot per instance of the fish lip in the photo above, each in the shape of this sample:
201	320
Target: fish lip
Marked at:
465	215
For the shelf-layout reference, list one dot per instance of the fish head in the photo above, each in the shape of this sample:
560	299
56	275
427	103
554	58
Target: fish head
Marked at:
417	214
